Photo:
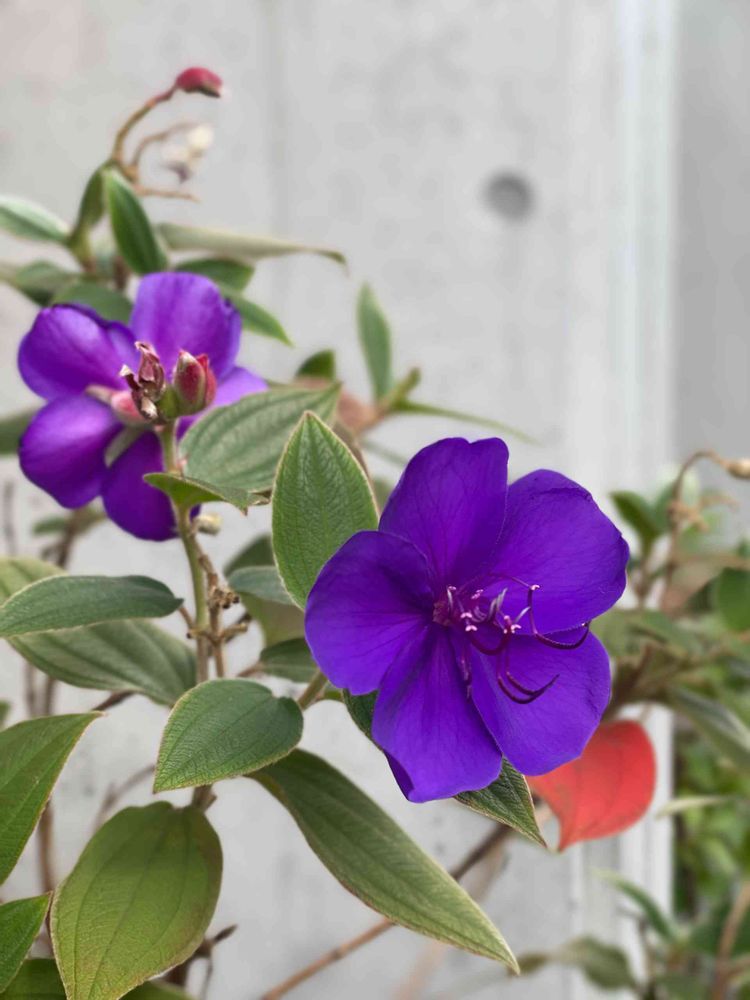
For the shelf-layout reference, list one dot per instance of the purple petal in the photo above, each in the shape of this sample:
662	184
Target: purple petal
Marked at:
238	383
69	349
130	502
432	732
450	503
371	598
555	536
553	729
62	450
176	312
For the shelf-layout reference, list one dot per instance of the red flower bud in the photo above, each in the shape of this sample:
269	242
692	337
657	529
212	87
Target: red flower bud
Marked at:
194	382
198	80
148	386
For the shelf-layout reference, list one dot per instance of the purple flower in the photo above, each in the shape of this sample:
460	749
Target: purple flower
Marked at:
468	610
74	359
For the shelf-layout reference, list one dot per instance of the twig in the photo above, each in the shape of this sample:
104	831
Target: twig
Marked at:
723	973
116	792
112	700
496	836
9	525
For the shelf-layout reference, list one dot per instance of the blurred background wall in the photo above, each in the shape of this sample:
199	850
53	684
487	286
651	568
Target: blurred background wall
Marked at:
506	174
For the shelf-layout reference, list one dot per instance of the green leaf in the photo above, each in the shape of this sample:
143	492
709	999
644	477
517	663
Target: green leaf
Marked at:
372	857
38	979
32	754
187	492
38	281
20	922
320	365
255	318
604	965
30	221
133	234
62	602
658	625
137	902
156	991
105	301
321	497
410	406
223	729
11	429
375	338
240	445
507	800
5	707
730	594
260	581
655	916
718	724
222	241
234	274
636	511
290	659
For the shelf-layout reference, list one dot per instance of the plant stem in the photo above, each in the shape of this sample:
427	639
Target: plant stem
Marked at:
312	691
723	974
496	836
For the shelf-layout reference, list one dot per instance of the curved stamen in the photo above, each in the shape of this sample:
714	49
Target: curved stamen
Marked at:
546	639
520	701
534	692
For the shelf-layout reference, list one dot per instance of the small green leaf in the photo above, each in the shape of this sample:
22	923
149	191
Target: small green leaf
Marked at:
234	274
105	301
32	754
410	406
222	241
507	800
290	659
20	922
137	902
375	338
240	445
320	499
30	221
655	916
320	365
372	857
260	581
715	722
39	281
731	598
223	729
671	633
187	492
636	511
11	429
37	979
255	553
255	318
603	964
133	234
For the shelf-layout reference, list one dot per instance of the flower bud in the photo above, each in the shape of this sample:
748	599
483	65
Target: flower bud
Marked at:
194	382
148	385
199	80
737	467
125	409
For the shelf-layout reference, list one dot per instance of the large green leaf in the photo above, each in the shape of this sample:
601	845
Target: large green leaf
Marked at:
132	230
507	800
255	318
137	902
20	921
223	729
718	724
375	338
372	857
227	271
38	979
321	497
61	602
30	221
240	445
32	754
11	429
252	248
113	656
260	581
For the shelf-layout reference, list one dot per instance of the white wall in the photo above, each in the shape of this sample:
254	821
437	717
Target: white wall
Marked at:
378	127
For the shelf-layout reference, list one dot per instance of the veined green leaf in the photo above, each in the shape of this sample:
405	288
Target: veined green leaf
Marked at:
375	338
223	729
507	800
30	221
137	902
187	492
132	230
32	754
252	248
37	979
260	581
20	921
234	274
321	497
372	857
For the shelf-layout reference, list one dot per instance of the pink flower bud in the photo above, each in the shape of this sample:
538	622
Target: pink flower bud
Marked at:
199	80
124	407
194	382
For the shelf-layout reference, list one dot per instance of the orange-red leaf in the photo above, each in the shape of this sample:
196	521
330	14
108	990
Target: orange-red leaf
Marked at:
607	789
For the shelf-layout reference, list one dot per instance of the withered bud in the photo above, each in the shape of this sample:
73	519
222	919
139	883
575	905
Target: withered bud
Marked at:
199	80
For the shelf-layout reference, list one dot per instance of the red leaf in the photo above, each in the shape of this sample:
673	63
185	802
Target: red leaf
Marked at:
607	789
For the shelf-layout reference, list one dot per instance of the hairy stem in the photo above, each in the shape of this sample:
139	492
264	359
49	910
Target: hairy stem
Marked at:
313	691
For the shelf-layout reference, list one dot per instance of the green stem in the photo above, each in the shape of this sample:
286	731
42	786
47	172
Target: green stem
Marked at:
313	689
192	551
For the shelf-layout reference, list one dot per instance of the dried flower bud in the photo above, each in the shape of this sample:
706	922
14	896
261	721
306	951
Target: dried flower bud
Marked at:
148	386
199	80
194	382
737	467
125	409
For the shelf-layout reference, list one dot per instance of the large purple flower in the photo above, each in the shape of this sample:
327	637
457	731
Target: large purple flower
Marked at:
468	610
73	358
